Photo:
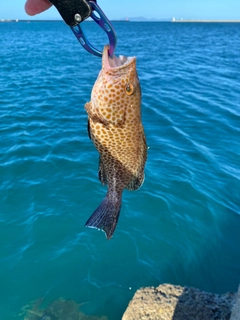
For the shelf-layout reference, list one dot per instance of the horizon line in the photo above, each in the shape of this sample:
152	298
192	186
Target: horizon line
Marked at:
127	20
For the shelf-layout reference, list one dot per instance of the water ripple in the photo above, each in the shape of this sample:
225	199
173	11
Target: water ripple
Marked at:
181	227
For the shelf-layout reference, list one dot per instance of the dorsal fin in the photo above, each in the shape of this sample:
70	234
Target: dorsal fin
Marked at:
89	130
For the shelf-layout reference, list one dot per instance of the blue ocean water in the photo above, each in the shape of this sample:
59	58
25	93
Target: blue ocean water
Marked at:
182	226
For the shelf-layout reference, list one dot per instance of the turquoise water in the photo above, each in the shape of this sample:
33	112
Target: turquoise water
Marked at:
181	227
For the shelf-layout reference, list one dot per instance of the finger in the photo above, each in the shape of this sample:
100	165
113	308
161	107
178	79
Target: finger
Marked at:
33	7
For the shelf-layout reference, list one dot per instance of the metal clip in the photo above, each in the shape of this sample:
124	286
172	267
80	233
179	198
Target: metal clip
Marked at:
104	23
73	11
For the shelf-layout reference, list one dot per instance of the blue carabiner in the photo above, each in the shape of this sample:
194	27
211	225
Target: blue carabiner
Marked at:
105	24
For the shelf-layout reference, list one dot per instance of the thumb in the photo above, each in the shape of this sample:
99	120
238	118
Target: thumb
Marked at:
33	7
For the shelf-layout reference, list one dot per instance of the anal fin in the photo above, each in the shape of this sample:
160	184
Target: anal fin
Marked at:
136	182
102	173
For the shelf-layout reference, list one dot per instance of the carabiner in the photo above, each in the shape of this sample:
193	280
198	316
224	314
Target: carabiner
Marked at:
73	11
104	23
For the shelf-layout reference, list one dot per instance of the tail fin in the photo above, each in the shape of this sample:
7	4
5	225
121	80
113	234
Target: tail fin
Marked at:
105	217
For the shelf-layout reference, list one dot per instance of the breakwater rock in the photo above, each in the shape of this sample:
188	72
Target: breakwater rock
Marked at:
169	302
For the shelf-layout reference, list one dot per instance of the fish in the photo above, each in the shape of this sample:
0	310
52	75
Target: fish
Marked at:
116	129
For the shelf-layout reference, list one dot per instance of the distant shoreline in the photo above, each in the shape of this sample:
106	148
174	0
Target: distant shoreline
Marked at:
29	20
206	21
36	20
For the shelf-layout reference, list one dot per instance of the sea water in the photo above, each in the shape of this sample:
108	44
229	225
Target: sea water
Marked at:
182	226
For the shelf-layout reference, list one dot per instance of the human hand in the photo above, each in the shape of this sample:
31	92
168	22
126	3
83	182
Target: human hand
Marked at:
33	7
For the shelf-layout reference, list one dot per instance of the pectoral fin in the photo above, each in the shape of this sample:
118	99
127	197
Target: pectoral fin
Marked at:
94	114
138	178
107	114
113	114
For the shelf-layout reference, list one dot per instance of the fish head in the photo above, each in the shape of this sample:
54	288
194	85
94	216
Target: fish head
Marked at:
117	88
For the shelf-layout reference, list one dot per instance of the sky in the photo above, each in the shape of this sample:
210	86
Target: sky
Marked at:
157	9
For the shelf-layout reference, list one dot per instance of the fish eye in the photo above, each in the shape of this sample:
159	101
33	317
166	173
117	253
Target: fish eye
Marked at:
129	89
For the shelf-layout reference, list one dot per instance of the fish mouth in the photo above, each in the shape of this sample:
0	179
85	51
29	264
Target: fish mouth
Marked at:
115	63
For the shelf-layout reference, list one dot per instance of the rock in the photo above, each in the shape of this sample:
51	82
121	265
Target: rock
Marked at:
169	302
57	310
236	309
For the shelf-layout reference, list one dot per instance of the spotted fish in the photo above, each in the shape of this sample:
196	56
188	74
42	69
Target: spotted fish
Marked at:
115	127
